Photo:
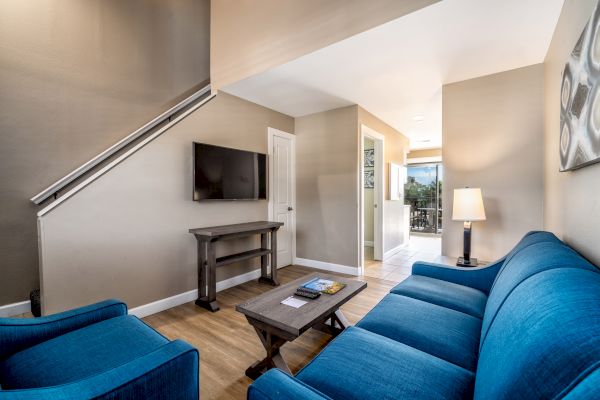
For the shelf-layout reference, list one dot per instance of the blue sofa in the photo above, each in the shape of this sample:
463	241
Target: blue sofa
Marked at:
97	351
524	327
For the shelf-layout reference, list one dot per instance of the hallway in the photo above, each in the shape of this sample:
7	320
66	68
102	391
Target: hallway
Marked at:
398	267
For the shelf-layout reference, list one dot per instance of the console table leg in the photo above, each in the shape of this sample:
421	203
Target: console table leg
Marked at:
210	300
264	260
201	269
274	257
271	280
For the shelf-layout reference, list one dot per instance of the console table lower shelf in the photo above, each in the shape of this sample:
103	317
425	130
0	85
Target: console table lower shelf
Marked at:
276	323
208	262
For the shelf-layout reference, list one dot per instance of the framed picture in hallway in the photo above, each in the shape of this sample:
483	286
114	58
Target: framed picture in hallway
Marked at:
369	157
369	179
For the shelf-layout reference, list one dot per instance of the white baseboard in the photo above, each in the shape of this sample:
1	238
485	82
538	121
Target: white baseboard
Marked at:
342	269
10	310
369	243
393	251
192	295
164	304
238	280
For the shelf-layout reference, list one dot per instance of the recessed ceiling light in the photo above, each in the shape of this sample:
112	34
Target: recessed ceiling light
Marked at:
424	140
418	118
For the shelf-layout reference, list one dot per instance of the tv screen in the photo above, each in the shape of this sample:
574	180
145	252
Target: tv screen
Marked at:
221	173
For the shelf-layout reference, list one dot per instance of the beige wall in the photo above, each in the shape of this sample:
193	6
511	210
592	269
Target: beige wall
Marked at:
368	202
492	139
571	207
326	192
327	184
251	36
396	147
425	153
76	77
126	235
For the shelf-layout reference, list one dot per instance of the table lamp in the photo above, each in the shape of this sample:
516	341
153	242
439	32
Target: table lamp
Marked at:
467	207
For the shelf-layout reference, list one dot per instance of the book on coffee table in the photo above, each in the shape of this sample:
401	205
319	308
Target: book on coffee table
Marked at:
324	285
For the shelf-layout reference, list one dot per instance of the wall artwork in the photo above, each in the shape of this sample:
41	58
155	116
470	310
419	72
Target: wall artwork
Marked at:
369	179
580	101
369	157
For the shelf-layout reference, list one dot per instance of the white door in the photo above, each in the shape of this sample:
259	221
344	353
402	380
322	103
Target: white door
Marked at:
282	194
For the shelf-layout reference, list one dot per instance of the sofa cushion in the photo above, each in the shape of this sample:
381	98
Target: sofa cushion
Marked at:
436	291
532	260
362	365
80	354
587	388
447	334
544	339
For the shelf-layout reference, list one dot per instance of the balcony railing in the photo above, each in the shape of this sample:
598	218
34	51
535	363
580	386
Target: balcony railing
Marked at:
424	218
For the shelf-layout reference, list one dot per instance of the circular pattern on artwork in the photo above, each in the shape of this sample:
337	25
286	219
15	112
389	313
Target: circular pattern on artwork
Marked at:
594	114
566	90
580	100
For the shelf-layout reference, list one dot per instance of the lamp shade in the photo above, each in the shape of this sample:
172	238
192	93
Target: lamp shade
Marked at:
468	205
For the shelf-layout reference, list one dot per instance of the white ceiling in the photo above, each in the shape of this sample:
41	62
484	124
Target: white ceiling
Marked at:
396	71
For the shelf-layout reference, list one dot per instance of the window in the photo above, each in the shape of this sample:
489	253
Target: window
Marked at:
423	192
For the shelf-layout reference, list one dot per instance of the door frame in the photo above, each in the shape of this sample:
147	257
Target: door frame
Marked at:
271	133
378	215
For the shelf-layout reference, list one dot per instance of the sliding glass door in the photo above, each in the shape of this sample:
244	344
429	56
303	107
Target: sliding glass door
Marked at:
423	192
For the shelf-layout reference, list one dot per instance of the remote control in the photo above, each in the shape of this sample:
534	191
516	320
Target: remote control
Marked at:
308	293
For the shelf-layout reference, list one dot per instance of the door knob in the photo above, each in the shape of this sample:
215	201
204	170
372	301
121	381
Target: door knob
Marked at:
290	209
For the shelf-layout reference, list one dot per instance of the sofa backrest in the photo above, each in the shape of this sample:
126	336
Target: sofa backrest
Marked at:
530	238
544	342
527	262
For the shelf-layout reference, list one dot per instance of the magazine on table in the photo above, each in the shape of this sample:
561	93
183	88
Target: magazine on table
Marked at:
324	285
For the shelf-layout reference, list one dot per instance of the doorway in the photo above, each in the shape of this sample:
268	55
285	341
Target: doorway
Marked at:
423	193
371	183
282	192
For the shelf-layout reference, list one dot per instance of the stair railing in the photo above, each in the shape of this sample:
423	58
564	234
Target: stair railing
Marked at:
168	118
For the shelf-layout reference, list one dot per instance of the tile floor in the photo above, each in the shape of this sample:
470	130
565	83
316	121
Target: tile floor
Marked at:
397	267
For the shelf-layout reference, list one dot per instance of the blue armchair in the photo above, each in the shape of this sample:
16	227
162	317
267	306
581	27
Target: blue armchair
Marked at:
97	351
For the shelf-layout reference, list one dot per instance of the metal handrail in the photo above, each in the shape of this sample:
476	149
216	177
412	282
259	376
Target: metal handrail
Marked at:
78	172
96	175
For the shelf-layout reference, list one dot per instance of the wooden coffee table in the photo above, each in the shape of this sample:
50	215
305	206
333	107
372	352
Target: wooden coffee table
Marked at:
277	323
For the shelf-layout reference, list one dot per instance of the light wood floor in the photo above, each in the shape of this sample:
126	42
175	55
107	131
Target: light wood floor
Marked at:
228	344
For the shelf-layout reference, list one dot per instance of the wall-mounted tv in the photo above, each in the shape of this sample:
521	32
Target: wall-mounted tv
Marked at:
221	173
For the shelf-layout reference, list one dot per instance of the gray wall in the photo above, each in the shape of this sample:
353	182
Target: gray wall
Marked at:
327	147
77	76
126	235
326	192
396	148
571	199
492	134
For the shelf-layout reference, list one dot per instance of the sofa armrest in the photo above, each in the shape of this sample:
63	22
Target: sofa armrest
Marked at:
480	278
275	385
170	372
17	334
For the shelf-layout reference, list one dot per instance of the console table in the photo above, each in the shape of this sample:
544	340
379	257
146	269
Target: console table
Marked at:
208	262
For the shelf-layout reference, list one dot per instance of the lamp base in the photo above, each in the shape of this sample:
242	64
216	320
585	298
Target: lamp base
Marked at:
461	262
